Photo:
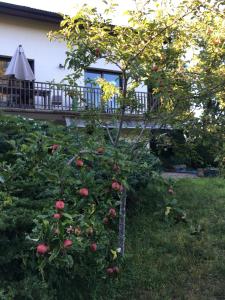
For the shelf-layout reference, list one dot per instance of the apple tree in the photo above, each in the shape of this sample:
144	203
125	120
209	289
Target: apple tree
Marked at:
152	49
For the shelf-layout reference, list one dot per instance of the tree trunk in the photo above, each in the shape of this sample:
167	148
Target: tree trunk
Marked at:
122	221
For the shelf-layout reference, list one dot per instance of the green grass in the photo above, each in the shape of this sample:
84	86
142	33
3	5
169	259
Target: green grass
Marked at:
169	262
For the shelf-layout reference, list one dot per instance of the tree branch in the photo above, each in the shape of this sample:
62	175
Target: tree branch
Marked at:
145	125
109	134
120	127
139	137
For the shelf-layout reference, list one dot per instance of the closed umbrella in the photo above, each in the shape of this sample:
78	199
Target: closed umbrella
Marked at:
19	66
21	87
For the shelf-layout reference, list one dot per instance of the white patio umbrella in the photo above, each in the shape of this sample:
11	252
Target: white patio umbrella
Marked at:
19	66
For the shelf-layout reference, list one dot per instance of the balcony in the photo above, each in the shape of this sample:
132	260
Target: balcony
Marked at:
32	98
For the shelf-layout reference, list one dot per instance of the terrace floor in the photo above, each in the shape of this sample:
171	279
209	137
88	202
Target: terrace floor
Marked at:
80	119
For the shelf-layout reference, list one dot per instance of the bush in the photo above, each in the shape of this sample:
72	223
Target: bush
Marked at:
193	146
77	253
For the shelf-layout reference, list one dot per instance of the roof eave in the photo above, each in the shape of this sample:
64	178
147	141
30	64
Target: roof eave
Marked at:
29	13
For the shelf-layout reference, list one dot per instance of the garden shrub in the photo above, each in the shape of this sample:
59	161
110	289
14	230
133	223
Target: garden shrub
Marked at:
59	208
192	147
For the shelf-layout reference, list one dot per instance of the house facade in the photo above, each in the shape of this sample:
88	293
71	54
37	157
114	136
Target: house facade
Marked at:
29	27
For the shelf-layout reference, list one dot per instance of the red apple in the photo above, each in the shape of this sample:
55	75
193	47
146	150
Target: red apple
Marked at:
116	186
53	148
79	163
109	271
93	247
84	192
59	204
67	243
56	216
112	212
42	249
116	270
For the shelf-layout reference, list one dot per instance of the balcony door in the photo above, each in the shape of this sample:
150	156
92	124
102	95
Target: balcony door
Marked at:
94	94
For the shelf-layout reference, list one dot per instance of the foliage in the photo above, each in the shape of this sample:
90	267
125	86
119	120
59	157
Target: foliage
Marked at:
172	149
220	159
206	139
42	163
199	144
208	63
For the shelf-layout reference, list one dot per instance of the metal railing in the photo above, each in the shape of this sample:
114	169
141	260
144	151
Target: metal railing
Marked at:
61	97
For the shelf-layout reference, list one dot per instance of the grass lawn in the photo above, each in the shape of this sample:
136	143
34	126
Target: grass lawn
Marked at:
179	261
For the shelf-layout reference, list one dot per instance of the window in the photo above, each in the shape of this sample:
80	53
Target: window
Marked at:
92	75
4	62
94	94
3	65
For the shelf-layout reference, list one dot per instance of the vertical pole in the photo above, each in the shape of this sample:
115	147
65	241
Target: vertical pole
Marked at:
122	221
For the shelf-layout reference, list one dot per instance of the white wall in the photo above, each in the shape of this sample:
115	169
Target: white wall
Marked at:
47	55
33	36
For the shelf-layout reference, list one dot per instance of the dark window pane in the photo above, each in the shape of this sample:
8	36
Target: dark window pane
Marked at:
90	78
93	95
3	66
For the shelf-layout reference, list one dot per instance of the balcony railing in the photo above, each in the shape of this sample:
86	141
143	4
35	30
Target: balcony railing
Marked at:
58	97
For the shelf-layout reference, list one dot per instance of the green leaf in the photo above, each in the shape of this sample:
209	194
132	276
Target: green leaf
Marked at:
69	261
54	255
68	216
